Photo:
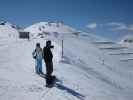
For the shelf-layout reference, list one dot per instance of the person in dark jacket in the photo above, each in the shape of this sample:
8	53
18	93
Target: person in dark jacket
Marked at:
48	56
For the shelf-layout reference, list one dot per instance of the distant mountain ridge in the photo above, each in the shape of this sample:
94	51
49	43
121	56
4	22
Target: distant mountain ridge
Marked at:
54	29
47	28
59	27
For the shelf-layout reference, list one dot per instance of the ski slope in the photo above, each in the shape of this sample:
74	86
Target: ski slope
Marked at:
86	72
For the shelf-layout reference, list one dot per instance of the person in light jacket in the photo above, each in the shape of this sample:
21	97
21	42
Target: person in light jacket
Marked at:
38	55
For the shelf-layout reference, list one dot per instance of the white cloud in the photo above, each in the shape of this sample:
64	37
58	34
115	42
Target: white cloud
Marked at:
117	26
113	26
92	26
130	27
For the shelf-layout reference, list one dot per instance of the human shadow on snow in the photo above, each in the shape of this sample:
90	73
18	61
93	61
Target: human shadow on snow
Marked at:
70	91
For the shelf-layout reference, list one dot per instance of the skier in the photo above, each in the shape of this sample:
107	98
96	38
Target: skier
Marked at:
48	56
37	55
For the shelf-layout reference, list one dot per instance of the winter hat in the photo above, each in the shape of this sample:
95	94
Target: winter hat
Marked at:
48	42
38	44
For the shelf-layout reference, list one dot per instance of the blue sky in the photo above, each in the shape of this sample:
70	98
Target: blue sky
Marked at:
106	16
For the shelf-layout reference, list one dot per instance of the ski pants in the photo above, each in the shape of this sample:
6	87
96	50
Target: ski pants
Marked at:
49	68
38	66
49	71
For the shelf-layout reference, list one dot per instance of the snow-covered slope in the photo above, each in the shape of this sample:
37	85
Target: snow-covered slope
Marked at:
47	28
88	71
92	68
7	30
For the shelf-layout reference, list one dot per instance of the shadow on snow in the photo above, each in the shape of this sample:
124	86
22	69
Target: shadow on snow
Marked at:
70	91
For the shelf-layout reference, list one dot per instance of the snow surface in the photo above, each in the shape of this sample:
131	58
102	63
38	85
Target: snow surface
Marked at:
86	72
7	31
82	74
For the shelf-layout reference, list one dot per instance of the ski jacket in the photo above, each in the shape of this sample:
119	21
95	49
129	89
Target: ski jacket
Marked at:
37	53
47	54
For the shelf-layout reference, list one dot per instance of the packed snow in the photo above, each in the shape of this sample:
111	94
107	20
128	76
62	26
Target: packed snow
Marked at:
91	69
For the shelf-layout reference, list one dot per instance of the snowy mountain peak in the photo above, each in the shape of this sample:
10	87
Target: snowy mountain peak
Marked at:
49	27
8	30
6	23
